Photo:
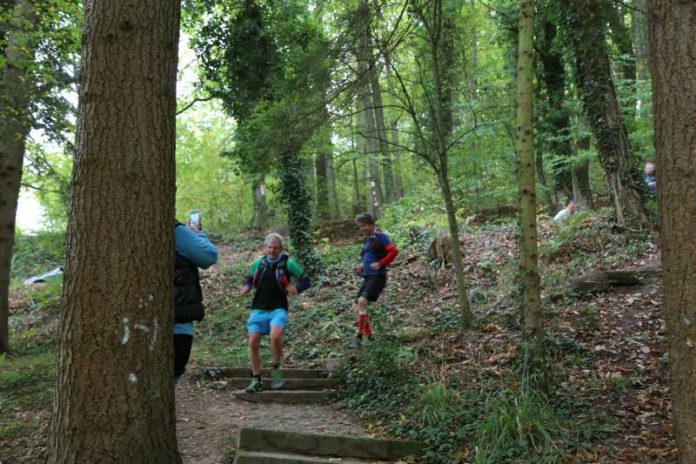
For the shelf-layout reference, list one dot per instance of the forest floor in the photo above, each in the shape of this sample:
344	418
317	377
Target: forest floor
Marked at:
607	351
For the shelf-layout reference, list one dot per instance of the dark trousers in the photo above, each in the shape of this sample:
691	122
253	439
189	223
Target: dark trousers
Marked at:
182	353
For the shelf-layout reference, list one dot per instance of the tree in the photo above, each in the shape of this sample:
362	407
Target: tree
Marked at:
34	55
586	27
533	323
673	42
269	63
437	63
114	397
14	128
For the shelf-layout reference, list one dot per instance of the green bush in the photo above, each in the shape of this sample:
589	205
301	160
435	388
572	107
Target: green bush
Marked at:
37	253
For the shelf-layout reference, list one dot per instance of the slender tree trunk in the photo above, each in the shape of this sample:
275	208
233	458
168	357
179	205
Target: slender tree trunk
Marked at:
451	211
259	219
398	179
114	400
357	200
381	132
533	321
334	204
641	42
622	38
582	191
14	128
601	106
673	47
321	166
552	72
369	132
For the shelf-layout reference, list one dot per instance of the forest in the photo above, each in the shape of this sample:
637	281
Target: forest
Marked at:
518	172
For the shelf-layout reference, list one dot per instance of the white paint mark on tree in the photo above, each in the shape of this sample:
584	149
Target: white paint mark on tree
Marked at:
155	334
126	332
132	378
142	327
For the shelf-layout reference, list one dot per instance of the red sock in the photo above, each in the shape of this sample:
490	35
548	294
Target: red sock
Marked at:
366	327
362	319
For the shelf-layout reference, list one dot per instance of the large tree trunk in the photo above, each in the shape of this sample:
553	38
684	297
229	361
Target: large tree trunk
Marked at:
673	46
601	106
259	219
114	400
14	128
529	267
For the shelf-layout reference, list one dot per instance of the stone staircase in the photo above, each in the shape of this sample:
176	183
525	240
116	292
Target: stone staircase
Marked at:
263	444
306	386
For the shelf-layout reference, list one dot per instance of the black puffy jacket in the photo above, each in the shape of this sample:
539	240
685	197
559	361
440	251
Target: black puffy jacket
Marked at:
188	296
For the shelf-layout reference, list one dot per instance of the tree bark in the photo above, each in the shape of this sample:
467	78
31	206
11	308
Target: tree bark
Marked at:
14	128
601	106
529	266
672	48
114	400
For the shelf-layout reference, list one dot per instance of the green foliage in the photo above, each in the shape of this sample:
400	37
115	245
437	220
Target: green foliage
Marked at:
379	384
519	425
206	180
36	254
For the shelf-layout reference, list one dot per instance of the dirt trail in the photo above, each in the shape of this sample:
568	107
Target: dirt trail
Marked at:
208	421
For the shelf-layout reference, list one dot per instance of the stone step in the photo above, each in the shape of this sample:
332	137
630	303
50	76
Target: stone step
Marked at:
318	444
242	372
290	384
287	396
259	457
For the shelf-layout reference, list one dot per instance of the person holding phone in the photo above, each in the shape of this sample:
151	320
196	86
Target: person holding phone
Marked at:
195	220
193	250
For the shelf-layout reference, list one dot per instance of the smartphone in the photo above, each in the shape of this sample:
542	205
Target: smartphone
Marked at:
195	219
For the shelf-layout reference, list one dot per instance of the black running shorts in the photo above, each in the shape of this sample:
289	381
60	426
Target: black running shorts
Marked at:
372	286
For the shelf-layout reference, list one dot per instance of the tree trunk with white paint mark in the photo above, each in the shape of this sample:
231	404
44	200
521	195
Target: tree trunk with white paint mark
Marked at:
114	400
672	48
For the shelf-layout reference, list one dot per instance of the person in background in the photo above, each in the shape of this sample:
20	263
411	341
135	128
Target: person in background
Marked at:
649	177
378	252
271	276
193	250
565	212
